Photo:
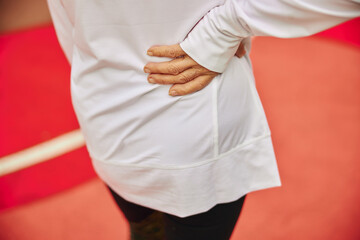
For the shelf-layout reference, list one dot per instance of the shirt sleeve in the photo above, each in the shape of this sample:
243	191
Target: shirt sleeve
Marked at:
215	39
63	27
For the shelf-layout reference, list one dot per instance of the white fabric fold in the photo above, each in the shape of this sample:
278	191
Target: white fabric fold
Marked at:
214	40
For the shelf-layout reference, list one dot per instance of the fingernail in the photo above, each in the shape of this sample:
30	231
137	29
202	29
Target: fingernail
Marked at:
151	80
146	70
150	53
174	93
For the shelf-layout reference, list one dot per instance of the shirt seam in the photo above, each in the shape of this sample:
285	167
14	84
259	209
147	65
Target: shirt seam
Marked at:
215	118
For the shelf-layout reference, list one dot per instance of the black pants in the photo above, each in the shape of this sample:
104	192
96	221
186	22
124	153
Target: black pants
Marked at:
216	224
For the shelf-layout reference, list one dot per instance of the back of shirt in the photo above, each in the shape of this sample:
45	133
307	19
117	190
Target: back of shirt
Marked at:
136	24
119	111
153	149
180	155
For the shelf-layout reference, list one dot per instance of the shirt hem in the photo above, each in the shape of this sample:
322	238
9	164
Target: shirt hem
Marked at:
191	190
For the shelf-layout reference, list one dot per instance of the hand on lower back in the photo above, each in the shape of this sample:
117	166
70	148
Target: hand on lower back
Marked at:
182	72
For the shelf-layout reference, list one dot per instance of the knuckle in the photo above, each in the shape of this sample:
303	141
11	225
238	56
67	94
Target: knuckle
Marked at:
197	71
198	68
171	53
172	69
183	78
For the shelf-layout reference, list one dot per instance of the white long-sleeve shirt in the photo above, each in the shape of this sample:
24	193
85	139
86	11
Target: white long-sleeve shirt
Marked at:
180	155
221	31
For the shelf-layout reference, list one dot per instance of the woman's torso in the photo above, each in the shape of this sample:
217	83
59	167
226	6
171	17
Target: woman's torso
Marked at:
124	118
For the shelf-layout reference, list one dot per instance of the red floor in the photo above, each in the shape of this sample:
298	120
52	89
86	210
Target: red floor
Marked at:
310	91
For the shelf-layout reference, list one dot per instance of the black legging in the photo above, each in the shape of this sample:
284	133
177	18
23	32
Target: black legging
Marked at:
216	224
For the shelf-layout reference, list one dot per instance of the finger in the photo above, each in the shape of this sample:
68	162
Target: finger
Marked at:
172	67
192	86
171	51
240	51
182	77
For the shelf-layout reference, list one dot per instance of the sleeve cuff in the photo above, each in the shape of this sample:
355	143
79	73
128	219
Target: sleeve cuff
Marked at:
214	40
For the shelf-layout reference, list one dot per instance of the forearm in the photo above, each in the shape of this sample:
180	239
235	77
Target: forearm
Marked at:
213	42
